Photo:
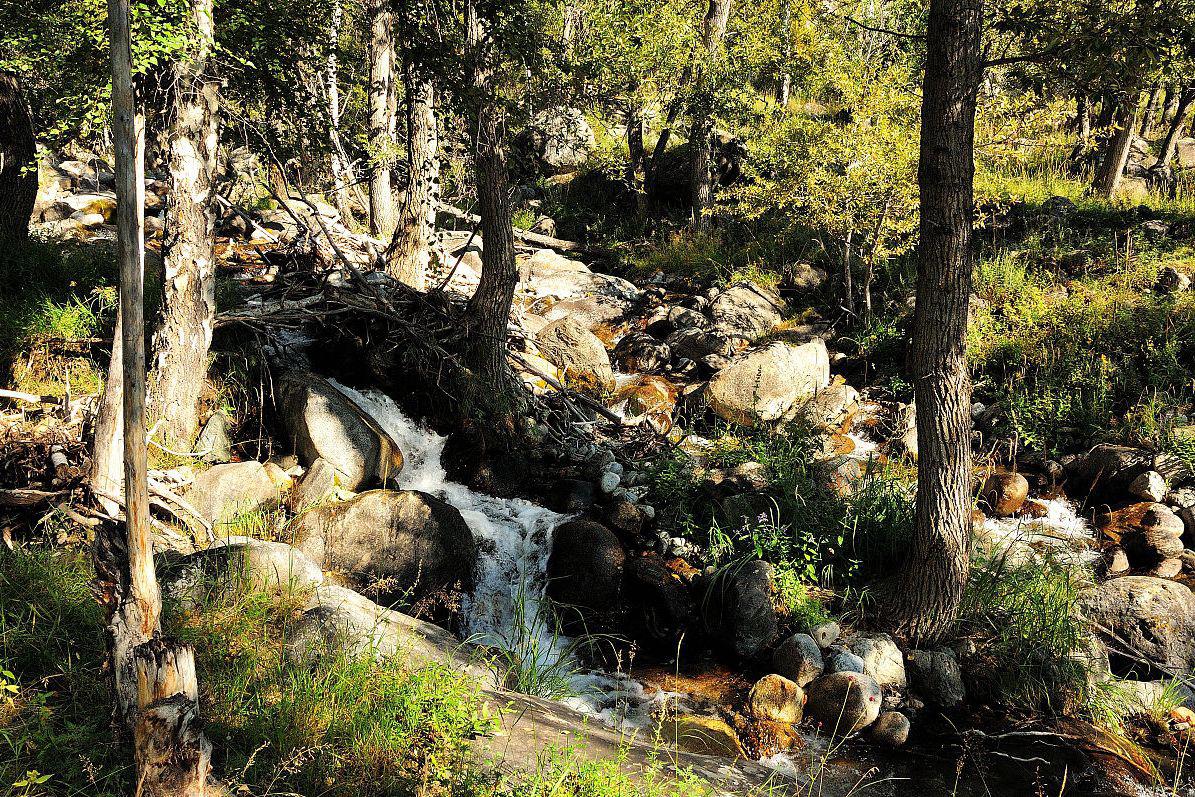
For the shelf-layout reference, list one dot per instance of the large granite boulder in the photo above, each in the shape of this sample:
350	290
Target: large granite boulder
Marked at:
1154	617
763	385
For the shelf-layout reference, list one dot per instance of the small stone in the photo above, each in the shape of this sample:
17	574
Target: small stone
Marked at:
1149	486
936	676
214	442
826	634
845	662
799	659
1004	493
891	729
1117	560
777	699
609	481
882	660
844	702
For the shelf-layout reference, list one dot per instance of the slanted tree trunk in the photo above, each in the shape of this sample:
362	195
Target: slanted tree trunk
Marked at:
409	254
493	393
1120	144
381	118
702	121
929	587
1169	146
184	332
341	173
18	166
785	81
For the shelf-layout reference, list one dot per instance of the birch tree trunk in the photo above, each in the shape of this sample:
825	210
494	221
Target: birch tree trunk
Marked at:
381	118
929	587
408	256
341	176
184	332
494	393
785	81
1169	146
18	165
702	122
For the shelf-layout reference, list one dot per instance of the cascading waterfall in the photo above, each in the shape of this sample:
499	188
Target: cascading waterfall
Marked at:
508	608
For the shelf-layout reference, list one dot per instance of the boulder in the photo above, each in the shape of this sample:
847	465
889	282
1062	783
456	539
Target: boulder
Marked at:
585	573
1003	494
882	660
579	354
663	603
936	677
559	139
237	563
703	735
406	545
798	659
337	618
827	408
1154	617
317	486
695	343
777	699
324	423
1108	470
738	608
1155	535
891	729
763	385
747	310
826	634
640	353
1149	486
214	442
645	396
222	493
844	702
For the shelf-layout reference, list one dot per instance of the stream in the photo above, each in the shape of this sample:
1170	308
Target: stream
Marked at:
508	610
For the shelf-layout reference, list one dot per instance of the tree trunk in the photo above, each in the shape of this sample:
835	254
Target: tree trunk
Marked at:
1151	110
1083	118
184	333
381	118
493	394
635	155
341	173
1169	144
172	754
18	165
785	81
1120	144
408	256
930	584
702	121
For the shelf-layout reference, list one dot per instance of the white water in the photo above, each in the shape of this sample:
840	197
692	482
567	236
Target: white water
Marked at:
1061	532
514	539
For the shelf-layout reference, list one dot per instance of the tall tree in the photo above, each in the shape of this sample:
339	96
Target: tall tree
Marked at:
156	696
1169	145
18	167
188	313
701	126
341	176
930	584
494	392
409	253
381	117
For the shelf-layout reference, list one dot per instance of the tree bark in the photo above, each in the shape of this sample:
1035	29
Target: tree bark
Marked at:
636	152
184	332
18	162
408	256
1169	145
341	173
381	118
493	394
1151	110
702	121
1120	143
172	754
924	603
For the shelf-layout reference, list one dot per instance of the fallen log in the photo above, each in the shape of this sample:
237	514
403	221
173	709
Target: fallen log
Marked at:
548	241
29	496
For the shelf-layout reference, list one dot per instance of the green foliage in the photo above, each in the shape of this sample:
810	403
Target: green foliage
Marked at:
1023	619
800	526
